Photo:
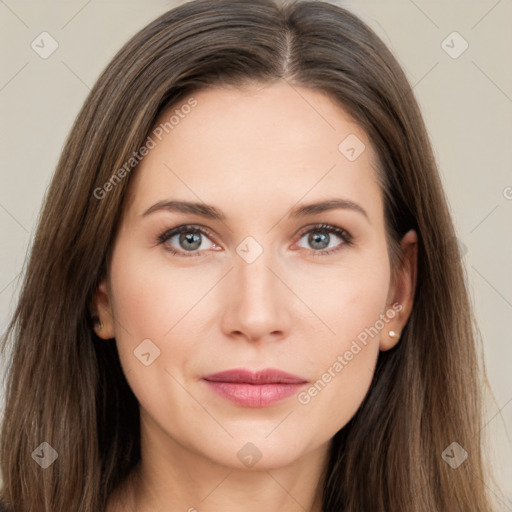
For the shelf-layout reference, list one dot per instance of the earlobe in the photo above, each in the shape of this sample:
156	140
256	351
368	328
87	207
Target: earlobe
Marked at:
402	292
389	338
103	320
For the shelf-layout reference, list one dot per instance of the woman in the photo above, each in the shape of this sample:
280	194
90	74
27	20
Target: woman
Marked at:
244	290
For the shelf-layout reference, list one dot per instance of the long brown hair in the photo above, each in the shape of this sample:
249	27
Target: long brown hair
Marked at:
66	387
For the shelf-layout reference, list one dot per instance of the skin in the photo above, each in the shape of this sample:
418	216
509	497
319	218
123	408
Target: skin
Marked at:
254	153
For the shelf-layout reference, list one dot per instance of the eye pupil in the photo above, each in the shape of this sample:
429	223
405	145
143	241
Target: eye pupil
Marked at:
190	238
320	238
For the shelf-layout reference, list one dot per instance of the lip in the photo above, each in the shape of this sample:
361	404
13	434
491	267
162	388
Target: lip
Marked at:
254	389
266	376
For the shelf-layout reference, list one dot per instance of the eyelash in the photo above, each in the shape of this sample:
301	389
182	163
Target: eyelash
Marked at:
341	233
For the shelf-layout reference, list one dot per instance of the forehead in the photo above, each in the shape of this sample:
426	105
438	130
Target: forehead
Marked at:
254	145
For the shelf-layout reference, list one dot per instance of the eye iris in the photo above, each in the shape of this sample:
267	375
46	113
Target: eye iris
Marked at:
190	238
320	238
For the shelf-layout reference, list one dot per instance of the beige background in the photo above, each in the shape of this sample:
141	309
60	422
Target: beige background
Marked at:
467	105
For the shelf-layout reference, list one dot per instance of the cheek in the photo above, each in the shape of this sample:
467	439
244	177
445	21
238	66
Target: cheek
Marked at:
362	302
153	304
151	296
354	307
345	300
330	401
150	303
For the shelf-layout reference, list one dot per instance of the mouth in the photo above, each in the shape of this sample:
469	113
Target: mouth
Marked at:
254	389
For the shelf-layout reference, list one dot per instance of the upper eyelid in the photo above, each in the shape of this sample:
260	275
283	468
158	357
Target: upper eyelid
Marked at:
183	227
320	226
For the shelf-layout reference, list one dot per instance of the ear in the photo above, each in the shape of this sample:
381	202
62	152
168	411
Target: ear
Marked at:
401	293
101	307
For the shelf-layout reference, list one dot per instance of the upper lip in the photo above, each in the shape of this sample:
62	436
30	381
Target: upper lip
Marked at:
265	376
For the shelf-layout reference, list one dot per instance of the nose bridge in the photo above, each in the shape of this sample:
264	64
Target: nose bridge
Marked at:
256	306
255	281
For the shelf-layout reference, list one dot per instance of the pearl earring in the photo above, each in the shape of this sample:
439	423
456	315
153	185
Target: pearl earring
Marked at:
394	334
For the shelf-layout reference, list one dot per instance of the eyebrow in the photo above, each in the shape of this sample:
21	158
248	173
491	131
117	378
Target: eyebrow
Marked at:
210	212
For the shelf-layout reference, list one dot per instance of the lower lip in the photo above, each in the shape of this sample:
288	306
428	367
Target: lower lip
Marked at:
254	395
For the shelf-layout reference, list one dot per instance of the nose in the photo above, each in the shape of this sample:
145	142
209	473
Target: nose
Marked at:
256	303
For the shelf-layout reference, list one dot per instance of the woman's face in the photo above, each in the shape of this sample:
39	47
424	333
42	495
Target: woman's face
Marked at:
262	285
